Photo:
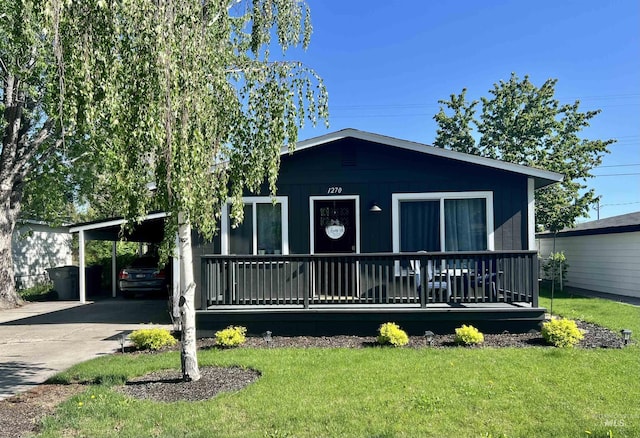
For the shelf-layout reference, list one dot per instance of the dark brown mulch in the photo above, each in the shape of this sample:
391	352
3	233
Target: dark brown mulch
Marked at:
168	386
594	337
20	414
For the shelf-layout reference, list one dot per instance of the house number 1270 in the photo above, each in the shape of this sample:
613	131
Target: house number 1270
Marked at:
334	190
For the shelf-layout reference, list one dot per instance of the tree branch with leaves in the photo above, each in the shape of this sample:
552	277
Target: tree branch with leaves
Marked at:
525	124
186	95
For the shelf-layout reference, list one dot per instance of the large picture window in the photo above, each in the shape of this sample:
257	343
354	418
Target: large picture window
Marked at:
442	221
263	230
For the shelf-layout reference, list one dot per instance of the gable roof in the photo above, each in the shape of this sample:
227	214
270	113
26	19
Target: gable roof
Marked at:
541	177
624	223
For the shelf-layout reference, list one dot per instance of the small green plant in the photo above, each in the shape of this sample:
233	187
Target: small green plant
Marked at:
468	335
555	268
232	336
152	339
391	334
562	333
39	292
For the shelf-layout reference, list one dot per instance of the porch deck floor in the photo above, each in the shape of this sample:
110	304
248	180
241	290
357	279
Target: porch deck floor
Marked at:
259	308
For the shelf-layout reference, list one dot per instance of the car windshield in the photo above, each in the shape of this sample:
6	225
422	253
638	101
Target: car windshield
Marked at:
145	262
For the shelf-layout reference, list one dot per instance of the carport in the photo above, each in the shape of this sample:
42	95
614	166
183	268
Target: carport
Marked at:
150	229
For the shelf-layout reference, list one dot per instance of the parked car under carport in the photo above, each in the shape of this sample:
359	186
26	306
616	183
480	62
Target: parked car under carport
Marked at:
143	276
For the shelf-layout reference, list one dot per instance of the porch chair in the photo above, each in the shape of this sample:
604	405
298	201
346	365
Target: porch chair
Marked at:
436	281
485	280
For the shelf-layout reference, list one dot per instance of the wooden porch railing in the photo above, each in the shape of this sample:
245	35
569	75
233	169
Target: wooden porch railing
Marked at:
419	279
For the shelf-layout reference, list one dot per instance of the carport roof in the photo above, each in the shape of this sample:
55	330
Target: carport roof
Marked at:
149	229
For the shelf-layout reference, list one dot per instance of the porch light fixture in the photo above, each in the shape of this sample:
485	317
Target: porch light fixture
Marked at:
626	336
375	207
428	335
267	337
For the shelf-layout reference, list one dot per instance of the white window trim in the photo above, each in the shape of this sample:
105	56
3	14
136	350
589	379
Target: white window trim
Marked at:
253	200
531	214
396	198
332	198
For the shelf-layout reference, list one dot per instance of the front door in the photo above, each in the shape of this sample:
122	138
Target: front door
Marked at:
335	231
334	226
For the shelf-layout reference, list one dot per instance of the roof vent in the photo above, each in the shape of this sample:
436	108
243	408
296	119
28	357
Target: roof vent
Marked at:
349	157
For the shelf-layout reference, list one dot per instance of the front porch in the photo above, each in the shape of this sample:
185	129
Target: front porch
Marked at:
355	293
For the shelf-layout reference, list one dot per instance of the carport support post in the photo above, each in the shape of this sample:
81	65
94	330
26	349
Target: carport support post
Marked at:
81	276
114	268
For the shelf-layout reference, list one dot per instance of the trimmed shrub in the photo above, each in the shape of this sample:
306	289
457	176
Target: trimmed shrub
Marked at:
562	333
152	339
39	292
468	335
391	334
232	336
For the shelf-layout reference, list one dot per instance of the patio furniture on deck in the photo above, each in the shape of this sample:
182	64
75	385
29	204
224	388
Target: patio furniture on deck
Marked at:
479	282
436	280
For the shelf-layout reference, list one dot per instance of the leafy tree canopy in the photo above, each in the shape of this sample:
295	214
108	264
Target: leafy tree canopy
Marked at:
101	98
184	95
524	124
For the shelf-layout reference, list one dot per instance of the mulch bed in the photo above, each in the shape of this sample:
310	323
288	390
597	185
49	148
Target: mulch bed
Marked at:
168	386
594	337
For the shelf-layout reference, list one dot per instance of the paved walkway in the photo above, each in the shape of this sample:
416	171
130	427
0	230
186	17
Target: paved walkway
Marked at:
39	340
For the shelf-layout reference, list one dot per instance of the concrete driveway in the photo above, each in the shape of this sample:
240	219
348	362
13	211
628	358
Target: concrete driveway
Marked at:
39	340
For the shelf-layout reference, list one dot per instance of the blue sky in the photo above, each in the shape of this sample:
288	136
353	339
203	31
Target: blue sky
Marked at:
387	63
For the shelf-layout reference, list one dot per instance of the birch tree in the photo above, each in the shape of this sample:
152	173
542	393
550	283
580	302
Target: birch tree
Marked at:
184	94
525	124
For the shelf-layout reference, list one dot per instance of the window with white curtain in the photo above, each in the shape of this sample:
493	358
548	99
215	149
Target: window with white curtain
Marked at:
263	230
442	221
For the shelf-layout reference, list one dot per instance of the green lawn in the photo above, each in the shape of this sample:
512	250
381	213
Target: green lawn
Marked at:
616	316
382	392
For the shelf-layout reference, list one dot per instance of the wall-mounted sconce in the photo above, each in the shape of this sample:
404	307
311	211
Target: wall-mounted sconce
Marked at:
375	207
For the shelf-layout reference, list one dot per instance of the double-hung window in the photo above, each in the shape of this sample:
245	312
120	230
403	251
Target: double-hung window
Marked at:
263	230
436	222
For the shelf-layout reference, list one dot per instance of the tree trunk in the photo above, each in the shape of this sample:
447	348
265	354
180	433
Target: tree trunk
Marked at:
9	298
189	359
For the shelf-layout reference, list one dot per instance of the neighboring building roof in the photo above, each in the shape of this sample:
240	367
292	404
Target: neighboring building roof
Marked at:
542	177
625	223
42	226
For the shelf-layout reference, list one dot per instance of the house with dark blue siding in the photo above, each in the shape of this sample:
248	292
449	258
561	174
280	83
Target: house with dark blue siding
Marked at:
366	229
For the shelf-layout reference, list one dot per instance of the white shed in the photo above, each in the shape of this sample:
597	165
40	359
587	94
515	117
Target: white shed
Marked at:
602	255
36	247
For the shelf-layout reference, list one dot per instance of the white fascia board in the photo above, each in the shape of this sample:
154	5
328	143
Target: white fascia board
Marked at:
112	222
543	177
531	214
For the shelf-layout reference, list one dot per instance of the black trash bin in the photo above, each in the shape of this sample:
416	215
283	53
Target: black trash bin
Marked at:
65	282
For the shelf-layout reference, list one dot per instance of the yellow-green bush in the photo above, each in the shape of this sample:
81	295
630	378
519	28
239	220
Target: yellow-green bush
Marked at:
561	332
391	334
232	336
152	339
468	335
